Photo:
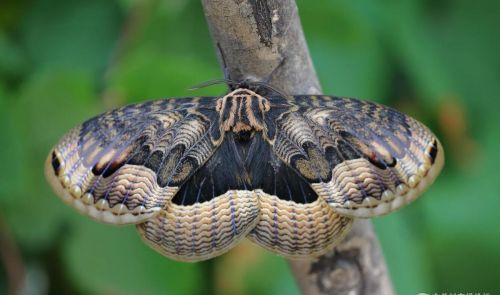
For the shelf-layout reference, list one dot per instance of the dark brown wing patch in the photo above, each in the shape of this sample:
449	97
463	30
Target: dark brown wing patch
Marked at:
247	166
364	159
123	166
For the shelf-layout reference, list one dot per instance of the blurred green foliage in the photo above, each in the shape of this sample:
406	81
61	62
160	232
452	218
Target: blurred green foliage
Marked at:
62	61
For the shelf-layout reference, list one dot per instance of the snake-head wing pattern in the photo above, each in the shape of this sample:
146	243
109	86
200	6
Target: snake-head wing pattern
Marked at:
197	175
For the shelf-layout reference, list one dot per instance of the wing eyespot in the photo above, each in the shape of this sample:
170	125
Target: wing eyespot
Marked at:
381	163
56	164
107	169
433	151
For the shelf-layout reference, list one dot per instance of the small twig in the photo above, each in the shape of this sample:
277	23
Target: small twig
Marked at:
10	257
256	36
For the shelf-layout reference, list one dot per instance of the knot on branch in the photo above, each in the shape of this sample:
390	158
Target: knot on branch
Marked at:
339	273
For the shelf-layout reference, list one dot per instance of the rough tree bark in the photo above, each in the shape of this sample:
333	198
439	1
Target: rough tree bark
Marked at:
263	39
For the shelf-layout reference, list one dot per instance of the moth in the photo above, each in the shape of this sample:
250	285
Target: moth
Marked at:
197	175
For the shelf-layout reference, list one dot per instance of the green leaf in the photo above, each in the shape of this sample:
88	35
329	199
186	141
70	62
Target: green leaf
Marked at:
147	74
12	151
50	103
13	62
405	253
345	50
108	259
72	33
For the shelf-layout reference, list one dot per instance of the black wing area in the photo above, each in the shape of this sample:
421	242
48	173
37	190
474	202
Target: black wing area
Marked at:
244	165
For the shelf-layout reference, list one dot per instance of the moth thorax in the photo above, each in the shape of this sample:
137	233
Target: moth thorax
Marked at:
242	112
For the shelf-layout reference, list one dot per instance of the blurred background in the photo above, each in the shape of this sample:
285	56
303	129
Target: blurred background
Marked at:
63	61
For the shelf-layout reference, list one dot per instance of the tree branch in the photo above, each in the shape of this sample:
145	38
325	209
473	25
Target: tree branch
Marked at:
260	37
264	40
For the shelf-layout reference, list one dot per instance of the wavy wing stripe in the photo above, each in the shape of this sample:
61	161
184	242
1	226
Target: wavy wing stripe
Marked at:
341	194
298	230
110	141
203	230
358	187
